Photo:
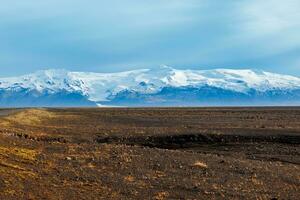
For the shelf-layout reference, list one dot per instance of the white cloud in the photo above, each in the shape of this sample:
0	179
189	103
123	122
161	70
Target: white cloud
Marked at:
269	16
174	32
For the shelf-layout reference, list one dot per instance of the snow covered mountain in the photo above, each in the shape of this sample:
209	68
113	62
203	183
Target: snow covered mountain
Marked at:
150	87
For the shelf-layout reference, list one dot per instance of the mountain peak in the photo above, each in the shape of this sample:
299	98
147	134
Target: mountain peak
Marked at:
166	67
102	87
51	72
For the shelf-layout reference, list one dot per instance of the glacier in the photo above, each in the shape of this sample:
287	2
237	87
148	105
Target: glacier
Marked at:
164	86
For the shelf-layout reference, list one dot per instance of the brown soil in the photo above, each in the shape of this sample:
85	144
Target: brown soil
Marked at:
150	153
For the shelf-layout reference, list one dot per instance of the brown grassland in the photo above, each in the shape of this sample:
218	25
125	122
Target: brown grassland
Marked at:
150	153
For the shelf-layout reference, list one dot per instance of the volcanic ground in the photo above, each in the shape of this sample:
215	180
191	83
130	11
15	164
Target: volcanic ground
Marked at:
150	153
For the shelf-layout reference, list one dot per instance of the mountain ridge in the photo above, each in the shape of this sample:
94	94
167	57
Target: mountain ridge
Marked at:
150	87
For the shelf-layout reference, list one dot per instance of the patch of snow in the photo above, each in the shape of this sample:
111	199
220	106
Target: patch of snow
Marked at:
99	86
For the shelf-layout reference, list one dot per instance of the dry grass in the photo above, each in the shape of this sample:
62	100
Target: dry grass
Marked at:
129	178
161	196
14	161
30	117
200	164
21	153
162	159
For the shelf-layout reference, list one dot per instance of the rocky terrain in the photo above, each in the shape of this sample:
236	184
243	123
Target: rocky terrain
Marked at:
150	153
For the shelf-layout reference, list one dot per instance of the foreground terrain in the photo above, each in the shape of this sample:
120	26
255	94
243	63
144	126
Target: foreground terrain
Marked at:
159	153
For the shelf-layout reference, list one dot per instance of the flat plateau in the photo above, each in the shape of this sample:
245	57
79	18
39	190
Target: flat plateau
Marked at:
150	153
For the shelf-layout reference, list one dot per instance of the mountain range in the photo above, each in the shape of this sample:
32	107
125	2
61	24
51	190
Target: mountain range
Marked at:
164	86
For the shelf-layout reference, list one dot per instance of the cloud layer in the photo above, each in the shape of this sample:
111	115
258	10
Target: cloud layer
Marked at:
119	35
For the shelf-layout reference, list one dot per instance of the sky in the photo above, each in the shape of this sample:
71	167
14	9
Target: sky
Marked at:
119	35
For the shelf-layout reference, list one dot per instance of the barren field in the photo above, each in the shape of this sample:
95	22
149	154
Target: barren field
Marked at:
150	153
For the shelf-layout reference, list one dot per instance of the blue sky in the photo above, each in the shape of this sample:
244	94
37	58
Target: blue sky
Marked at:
117	35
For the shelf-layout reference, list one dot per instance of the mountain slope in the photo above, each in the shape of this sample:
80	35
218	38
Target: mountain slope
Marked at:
150	87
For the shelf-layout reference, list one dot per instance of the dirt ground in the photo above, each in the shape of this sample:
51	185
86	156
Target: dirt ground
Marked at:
150	153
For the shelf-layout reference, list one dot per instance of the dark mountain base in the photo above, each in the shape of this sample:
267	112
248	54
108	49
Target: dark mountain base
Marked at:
204	96
36	99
